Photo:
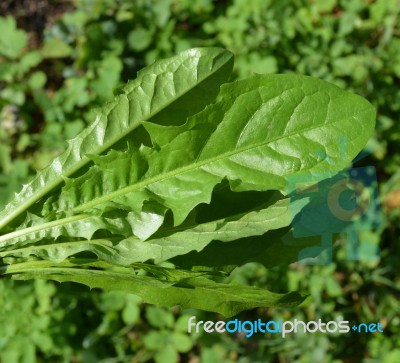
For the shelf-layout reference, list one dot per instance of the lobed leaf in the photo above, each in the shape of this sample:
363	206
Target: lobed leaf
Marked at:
172	242
188	292
260	132
196	72
173	172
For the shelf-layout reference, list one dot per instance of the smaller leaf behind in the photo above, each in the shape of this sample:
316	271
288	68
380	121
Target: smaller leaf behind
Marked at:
169	243
274	248
226	299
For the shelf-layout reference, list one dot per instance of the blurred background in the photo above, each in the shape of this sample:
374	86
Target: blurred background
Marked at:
60	58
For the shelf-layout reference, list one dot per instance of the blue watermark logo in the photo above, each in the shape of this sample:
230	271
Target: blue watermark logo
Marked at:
340	201
284	328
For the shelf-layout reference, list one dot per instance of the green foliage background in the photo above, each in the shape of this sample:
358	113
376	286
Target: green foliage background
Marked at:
82	51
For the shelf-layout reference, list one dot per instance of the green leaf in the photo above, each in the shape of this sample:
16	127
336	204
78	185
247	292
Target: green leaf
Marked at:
28	61
226	299
159	318
108	74
56	48
76	226
155	340
167	354
12	40
140	38
274	248
131	313
37	80
164	245
180	241
174	172
182	342
260	132
196	73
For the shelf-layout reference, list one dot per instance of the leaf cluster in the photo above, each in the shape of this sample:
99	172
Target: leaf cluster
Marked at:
350	43
131	187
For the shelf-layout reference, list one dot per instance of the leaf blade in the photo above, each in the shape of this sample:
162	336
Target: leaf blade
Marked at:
169	243
226	299
272	127
140	100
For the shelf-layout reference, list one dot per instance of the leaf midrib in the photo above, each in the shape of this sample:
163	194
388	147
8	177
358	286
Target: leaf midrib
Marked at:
164	232
85	160
40	227
185	169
